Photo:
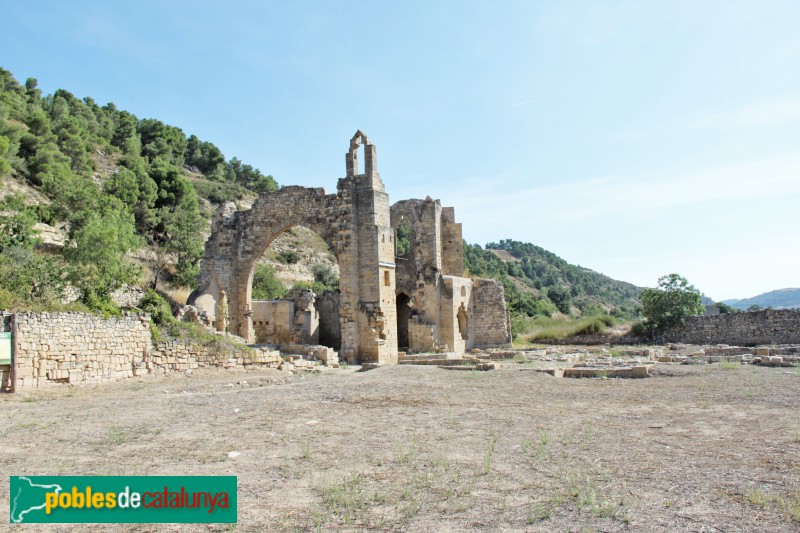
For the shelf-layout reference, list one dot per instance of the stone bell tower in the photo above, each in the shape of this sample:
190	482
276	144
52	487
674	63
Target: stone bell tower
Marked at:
372	270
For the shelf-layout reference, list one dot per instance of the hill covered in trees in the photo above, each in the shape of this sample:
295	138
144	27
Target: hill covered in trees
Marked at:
538	282
118	183
778	299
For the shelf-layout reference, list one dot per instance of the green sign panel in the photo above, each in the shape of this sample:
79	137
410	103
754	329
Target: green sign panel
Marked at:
5	348
123	499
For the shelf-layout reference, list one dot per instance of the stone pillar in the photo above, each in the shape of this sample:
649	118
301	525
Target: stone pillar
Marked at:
377	311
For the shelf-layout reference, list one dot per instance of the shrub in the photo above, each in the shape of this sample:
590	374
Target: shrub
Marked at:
592	328
158	307
326	275
288	257
639	329
266	285
607	320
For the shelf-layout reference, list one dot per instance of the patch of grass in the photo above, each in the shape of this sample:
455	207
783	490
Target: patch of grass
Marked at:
542	451
538	513
544	328
347	499
487	456
758	497
729	365
221	344
119	434
306	455
617	352
451	419
179	294
407	454
526	445
592	492
790	506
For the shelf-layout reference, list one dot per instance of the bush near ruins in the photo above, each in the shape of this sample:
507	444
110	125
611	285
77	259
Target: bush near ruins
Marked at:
266	285
326	275
670	304
158	307
288	257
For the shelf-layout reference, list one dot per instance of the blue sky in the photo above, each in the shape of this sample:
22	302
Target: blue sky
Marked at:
634	138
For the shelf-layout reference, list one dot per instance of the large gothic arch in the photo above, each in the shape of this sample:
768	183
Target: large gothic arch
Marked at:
355	225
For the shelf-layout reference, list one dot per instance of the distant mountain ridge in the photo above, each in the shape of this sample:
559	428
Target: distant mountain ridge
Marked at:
777	299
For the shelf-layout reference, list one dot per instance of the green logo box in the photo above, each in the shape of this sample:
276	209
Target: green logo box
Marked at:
123	499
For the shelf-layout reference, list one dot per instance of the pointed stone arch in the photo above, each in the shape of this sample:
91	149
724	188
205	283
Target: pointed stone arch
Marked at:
353	223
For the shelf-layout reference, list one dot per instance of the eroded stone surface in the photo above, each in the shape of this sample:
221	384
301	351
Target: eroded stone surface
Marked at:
440	310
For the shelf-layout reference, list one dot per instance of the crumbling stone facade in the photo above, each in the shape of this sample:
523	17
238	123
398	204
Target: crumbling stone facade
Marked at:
437	305
291	320
438	309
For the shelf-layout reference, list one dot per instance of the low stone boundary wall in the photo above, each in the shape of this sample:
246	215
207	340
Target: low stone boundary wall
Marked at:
76	348
180	356
586	340
769	326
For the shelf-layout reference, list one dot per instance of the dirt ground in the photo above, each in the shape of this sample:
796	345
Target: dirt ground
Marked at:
694	448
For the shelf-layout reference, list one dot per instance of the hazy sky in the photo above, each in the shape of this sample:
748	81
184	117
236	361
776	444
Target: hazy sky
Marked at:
634	138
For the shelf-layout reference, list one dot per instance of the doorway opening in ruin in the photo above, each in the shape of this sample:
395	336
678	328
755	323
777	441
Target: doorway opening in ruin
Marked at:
404	311
462	322
295	291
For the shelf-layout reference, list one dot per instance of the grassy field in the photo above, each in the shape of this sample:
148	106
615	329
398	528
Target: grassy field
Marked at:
542	328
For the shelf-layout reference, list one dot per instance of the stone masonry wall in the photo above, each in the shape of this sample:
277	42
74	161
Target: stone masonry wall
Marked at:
180	356
491	326
770	326
78	348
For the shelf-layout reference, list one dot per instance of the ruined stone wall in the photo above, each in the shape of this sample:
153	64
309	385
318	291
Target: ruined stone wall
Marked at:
79	348
452	244
456	314
184	356
422	337
272	321
291	320
354	223
490	321
770	326
443	304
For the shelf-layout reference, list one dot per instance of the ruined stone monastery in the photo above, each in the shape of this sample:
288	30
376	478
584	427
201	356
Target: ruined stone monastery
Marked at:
420	302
